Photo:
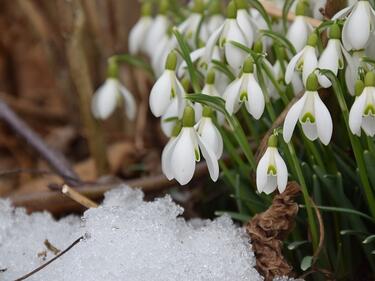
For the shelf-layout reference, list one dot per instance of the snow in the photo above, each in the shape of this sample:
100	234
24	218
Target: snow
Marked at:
126	238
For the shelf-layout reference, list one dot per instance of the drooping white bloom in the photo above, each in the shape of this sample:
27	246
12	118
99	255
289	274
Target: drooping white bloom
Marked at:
108	95
332	56
298	32
155	33
271	172
358	26
312	114
352	70
245	90
214	22
362	113
245	21
166	89
227	32
139	31
169	118
180	155
162	48
305	61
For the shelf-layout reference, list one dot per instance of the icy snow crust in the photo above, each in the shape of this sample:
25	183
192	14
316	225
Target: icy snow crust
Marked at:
126	239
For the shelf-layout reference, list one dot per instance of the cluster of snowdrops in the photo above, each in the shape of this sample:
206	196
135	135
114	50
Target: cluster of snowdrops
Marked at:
229	59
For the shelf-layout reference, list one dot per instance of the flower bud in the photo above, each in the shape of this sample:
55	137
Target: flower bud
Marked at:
215	7
198	7
258	46
177	129
163	7
302	8
370	79
248	66
358	87
242	4
171	61
312	40
334	32
188	119
272	141
231	10
312	84
210	79
146	9
207	112
112	69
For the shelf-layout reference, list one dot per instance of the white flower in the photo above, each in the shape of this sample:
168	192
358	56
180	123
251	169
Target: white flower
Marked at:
298	32
214	22
107	96
166	89
362	113
180	154
169	118
313	115
227	32
354	63
332	56
245	90
305	61
271	172
161	50
358	26
139	31
245	21
189	28
156	32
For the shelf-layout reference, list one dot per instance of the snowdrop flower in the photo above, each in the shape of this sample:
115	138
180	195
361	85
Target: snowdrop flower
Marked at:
245	90
216	19
167	88
354	67
108	95
245	22
209	133
358	26
271	172
180	155
362	113
158	28
227	32
162	48
300	29
332	56
311	112
190	26
139	31
169	118
305	61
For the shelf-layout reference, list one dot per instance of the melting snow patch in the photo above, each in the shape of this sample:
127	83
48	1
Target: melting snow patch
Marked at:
126	238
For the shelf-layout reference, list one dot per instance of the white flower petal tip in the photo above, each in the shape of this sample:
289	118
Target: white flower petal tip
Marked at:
299	32
138	34
305	61
271	172
314	117
105	100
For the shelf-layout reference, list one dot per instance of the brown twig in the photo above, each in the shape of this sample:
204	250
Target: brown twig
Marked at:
77	197
50	261
55	159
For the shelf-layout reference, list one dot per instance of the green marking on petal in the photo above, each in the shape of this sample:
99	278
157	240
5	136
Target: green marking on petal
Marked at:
173	93
197	155
243	96
271	170
369	110
308	116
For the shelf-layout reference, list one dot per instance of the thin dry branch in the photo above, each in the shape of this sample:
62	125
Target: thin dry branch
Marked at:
77	197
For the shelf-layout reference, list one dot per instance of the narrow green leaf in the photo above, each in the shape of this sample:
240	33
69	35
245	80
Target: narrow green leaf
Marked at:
286	8
369	239
258	6
279	39
224	69
134	61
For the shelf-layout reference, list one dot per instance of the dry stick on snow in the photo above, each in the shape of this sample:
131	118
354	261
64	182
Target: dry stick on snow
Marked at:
55	159
50	261
79	198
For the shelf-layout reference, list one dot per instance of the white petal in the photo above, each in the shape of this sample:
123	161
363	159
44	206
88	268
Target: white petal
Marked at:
329	60
351	71
310	63
138	34
297	83
270	185
232	95
172	111
261	173
256	101
157	30
282	172
357	27
194	56
292	118
129	102
356	113
166	158
160	96
244	22
105	99
234	55
180	94
310	130
368	125
323	120
183	157
214	22
292	66
210	157
342	13
211	43
211	136
298	33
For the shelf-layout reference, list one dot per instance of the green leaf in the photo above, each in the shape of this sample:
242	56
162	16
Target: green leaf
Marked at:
185	52
280	39
351	232
306	263
294	245
369	239
286	8
134	61
370	166
234	215
224	69
170	119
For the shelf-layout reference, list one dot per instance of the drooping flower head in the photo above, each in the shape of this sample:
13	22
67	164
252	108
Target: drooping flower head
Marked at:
312	114
138	33
245	90
180	155
271	172
167	88
110	93
362	113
